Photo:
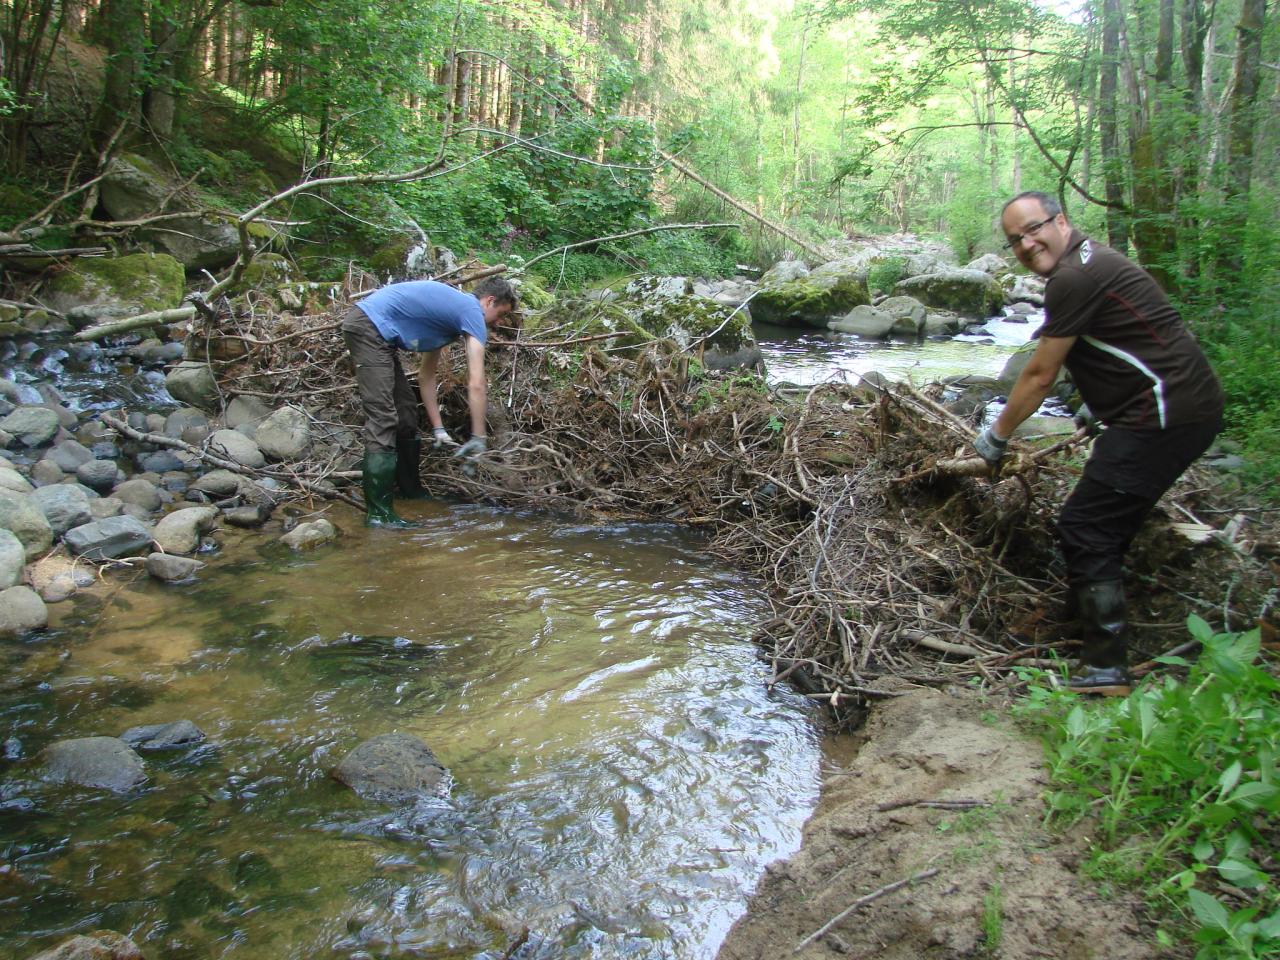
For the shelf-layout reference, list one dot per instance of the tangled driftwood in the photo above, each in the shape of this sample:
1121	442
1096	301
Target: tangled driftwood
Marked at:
887	550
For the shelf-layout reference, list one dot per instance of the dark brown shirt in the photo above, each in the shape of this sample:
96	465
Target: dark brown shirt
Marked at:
1135	362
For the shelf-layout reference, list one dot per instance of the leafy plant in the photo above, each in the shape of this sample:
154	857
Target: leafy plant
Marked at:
1180	783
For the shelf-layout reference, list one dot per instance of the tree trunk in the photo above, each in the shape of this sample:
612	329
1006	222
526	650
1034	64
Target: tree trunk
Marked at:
1243	118
1154	165
125	25
1108	128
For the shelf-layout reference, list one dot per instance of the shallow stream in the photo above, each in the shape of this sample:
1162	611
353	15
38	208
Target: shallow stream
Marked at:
621	775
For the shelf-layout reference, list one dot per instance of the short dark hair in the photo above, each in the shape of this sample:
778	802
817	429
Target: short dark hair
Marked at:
501	291
1050	204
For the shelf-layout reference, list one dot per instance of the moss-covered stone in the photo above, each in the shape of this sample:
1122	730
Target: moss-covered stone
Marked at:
810	301
142	280
970	293
388	260
16	204
269	270
533	295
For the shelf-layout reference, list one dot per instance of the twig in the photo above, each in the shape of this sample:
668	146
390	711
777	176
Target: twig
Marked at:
862	902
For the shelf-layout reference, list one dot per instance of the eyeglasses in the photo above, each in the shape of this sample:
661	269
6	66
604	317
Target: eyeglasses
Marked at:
1031	231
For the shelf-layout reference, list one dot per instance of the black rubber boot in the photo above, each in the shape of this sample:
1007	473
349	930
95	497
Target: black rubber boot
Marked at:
379	481
408	458
1104	650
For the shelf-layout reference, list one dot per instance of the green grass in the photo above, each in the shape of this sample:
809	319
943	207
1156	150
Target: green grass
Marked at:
1178	784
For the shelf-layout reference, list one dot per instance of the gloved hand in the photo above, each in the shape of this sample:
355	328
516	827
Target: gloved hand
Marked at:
440	438
1085	420
472	448
990	447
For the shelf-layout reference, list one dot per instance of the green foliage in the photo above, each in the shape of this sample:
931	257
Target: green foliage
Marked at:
1180	781
992	920
885	272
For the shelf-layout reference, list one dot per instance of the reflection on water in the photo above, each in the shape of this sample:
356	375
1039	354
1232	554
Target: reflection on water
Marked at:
621	776
807	357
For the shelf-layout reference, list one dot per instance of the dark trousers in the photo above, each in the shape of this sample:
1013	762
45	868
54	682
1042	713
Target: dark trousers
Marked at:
1127	473
389	401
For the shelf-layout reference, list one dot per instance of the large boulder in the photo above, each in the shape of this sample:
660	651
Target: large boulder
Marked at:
864	321
394	767
908	315
100	288
970	293
106	763
813	300
133	187
235	446
11	481
722	333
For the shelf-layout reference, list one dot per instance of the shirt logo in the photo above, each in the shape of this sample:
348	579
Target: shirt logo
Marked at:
1086	251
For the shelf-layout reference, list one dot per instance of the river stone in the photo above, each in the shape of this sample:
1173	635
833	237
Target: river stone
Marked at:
27	521
254	515
943	323
171	569
104	762
908	315
31	426
104	507
285	435
12	559
220	483
235	446
99	945
106	539
159	461
94	288
179	531
189	425
58	577
989	263
99	475
393	767
69	454
1014	365
194	384
11	481
784	271
864	321
311	534
65	506
139	492
242	410
163	736
21	611
46	473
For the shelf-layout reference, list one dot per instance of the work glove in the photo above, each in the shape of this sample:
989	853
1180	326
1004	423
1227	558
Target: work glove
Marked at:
990	447
440	438
472	448
1085	420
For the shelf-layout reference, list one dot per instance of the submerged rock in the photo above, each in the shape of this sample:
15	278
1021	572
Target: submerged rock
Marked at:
107	763
393	767
163	736
99	945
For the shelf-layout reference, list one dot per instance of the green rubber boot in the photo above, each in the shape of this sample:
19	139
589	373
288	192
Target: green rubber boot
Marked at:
379	481
408	457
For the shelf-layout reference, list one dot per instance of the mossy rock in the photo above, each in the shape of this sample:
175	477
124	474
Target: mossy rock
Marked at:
533	295
268	271
810	301
16	204
389	259
970	293
139	282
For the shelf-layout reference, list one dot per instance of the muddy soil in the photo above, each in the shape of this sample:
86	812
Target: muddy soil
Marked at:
1004	886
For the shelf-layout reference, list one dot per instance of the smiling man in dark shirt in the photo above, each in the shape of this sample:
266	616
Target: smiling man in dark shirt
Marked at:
1143	376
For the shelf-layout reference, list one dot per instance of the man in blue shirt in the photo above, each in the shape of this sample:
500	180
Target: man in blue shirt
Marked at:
421	316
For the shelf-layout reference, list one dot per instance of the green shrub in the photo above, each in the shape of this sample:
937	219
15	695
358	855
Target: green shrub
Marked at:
1181	784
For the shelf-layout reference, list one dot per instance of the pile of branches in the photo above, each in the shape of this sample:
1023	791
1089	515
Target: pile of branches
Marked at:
887	550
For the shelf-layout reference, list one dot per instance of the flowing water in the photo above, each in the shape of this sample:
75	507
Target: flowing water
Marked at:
807	357
620	773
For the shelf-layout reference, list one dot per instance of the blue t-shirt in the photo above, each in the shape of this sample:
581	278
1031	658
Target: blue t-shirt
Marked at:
423	315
